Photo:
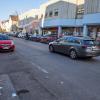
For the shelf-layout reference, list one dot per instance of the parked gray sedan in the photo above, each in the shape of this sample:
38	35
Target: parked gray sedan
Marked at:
75	47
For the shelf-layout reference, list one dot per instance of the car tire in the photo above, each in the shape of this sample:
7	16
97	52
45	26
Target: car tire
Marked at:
73	54
12	50
51	49
89	57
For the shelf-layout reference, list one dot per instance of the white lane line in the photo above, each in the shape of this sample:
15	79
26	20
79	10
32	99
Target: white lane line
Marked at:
37	66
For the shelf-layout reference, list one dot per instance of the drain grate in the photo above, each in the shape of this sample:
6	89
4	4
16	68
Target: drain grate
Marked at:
22	91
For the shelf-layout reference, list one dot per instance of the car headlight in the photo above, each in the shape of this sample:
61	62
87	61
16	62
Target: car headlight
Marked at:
88	49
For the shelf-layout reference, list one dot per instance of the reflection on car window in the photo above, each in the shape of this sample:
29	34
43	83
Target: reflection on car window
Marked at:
70	40
59	39
77	41
3	37
89	42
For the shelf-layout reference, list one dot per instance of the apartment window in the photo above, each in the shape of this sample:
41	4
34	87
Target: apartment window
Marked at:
50	14
42	16
36	17
80	12
56	12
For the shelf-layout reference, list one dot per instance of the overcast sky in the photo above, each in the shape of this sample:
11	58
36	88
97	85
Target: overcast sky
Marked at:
8	7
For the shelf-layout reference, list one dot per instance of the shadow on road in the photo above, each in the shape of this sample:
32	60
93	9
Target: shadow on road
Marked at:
82	59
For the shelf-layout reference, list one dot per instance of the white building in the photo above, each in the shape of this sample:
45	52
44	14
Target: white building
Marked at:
11	24
29	21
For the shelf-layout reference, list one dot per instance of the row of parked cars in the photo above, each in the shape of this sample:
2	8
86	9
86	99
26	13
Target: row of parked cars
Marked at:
47	38
73	46
17	34
44	38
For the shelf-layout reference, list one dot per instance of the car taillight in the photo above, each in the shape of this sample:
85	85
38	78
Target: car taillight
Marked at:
84	46
12	43
49	38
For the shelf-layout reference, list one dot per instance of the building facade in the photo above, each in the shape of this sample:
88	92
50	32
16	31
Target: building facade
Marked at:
91	20
79	17
10	25
29	21
0	26
72	17
5	26
13	23
62	16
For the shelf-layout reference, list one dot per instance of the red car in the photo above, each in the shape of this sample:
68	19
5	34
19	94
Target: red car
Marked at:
48	38
6	44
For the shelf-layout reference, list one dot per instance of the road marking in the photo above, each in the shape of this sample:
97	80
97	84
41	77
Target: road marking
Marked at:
37	66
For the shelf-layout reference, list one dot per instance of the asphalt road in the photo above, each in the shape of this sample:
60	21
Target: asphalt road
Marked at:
37	74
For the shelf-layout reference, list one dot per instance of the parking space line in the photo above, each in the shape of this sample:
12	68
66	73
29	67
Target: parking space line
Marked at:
37	66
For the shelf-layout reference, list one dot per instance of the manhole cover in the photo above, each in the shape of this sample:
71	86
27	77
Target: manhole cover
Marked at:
22	91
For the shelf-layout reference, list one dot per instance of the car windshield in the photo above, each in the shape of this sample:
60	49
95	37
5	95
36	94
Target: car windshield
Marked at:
4	37
89	42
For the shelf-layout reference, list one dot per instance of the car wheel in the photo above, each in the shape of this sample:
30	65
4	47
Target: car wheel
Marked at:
89	57
73	54
12	50
51	49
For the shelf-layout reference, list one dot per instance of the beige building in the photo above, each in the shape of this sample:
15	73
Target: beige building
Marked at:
5	26
11	24
0	26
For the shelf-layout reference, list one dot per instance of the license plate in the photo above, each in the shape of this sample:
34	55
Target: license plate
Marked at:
95	48
5	47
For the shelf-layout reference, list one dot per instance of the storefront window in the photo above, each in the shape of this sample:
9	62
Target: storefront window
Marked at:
98	34
92	32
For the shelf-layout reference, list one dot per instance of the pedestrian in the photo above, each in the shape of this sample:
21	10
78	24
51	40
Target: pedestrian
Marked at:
27	36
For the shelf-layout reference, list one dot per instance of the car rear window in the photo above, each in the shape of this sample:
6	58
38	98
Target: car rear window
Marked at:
89	42
3	37
98	43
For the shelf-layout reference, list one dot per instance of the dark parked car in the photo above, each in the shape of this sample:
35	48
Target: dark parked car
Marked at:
35	37
16	34
6	44
48	38
75	47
